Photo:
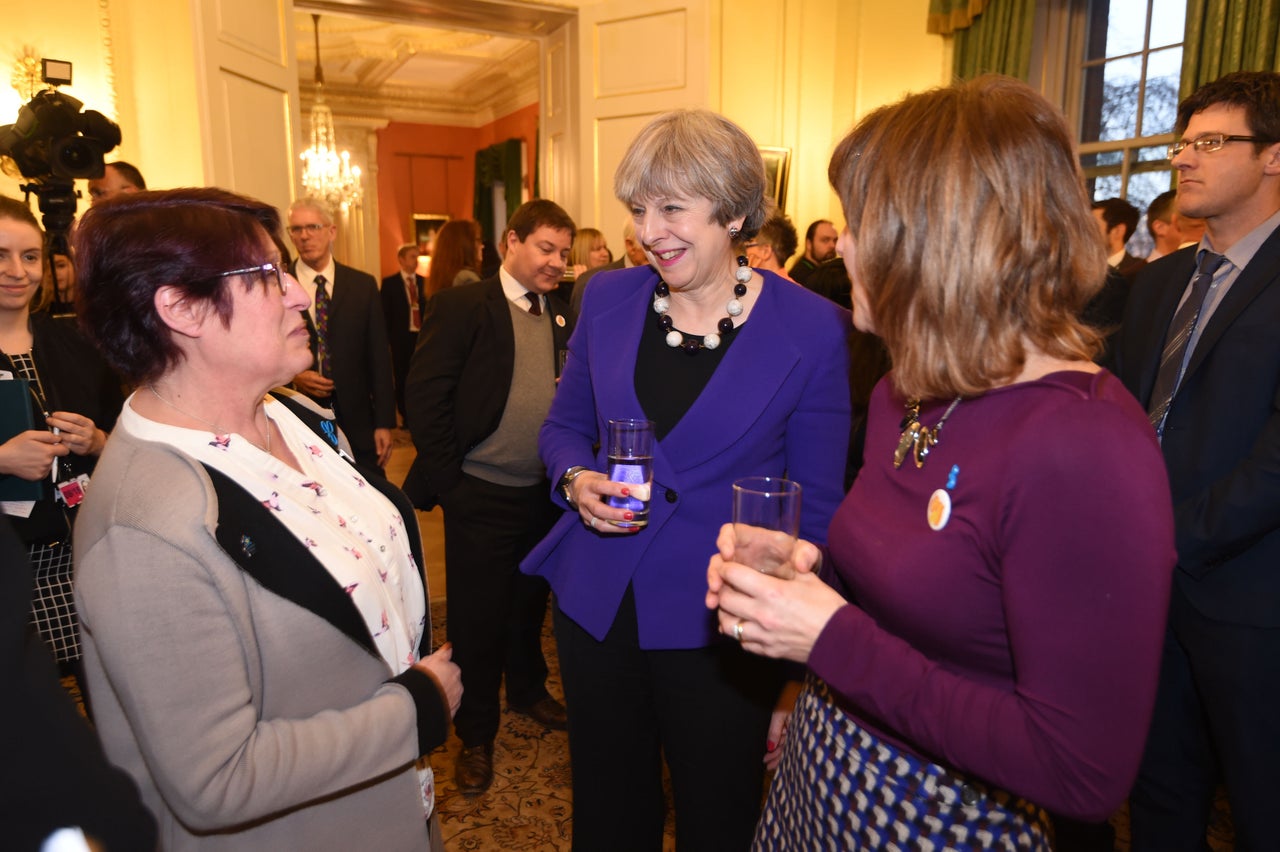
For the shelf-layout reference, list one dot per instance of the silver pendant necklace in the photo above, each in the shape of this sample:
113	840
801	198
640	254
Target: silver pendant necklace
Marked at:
217	430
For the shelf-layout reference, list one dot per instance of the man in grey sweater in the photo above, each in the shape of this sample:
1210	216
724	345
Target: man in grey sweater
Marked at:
480	384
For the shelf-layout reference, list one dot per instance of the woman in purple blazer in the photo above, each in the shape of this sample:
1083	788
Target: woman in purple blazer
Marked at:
742	373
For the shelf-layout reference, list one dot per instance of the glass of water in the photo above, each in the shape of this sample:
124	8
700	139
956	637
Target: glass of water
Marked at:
766	523
630	460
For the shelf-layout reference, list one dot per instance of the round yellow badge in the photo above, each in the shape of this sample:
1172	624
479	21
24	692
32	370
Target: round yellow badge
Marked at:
939	511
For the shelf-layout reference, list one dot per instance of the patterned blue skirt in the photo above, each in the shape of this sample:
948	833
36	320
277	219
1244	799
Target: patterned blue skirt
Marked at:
841	788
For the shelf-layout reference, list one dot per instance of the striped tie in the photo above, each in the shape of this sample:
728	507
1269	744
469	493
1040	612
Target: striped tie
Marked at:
1175	348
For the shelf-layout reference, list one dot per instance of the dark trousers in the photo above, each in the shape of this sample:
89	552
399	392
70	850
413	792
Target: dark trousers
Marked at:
401	353
494	612
706	710
1217	719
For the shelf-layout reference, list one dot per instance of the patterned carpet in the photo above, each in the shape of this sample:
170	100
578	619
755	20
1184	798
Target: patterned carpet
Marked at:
529	808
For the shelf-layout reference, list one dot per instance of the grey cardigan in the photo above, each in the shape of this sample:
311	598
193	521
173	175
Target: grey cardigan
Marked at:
228	680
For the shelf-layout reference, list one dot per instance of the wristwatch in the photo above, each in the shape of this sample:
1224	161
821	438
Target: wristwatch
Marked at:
567	480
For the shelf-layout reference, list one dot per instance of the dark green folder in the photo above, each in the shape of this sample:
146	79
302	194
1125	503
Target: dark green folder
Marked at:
15	417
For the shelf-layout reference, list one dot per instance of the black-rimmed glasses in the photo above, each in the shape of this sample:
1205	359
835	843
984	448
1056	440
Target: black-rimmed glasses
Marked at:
1209	142
264	270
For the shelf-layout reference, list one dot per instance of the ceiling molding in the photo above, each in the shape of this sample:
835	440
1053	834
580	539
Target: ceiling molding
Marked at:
513	18
418	68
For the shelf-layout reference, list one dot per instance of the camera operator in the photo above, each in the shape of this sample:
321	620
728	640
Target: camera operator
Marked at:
118	178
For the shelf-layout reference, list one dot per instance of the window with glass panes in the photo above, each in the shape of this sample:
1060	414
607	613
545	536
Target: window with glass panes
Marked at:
1129	96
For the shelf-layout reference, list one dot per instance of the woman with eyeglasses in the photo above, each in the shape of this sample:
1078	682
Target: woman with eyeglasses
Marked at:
255	620
72	398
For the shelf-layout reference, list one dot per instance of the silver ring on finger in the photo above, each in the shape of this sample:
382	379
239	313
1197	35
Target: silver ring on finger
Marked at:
737	630
593	521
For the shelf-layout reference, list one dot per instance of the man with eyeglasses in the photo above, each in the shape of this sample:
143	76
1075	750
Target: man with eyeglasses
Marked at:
1200	347
351	367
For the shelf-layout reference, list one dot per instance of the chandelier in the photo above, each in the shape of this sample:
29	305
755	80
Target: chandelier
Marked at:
327	173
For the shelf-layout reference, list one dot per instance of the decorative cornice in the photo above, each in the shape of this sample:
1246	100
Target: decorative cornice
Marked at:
109	58
497	91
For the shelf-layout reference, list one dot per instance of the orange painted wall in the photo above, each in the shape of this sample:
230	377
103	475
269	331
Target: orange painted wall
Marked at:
430	168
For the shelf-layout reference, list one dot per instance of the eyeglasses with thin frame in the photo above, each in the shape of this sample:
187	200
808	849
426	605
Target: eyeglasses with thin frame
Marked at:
264	270
309	228
1208	143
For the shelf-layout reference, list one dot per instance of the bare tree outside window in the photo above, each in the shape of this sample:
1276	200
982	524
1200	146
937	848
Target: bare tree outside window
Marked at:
1129	96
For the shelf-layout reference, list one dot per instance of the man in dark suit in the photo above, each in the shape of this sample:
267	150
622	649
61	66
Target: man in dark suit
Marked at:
480	384
1199	348
351	370
403	303
819	247
1117	219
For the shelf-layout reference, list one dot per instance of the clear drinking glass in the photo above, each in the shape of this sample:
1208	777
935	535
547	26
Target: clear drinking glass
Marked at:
766	523
630	460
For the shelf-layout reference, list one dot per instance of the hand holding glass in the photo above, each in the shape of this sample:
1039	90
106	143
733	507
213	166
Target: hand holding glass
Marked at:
631	461
766	523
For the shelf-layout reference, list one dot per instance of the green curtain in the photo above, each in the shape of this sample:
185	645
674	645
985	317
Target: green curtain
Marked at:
499	162
998	41
1229	35
947	16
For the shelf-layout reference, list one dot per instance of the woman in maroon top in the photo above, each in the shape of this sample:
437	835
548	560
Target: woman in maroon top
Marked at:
983	633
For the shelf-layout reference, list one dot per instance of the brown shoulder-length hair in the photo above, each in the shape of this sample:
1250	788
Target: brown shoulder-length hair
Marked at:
14	210
456	248
972	234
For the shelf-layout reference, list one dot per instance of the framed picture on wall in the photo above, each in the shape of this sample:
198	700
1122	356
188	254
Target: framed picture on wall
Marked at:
425	227
777	168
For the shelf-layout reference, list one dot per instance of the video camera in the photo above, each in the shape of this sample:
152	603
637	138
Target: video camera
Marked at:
53	142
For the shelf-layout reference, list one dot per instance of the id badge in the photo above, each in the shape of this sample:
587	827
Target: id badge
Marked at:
71	492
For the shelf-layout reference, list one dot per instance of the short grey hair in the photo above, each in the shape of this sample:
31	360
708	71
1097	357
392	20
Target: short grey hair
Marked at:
314	206
696	153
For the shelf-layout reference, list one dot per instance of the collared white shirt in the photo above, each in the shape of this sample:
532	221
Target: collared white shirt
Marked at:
515	291
306	276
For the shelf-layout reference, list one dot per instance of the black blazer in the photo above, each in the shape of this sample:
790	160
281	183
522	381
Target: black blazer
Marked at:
361	358
53	773
395	310
1222	437
75	378
460	377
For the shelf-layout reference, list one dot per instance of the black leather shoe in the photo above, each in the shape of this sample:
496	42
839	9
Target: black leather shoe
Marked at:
546	711
474	772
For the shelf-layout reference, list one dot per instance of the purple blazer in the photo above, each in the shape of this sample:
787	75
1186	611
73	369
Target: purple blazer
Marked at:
777	405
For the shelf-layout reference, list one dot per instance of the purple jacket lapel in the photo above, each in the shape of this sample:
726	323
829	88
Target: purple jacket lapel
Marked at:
752	371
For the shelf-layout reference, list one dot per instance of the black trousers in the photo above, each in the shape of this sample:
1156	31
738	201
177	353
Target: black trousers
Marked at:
494	612
1217	719
706	710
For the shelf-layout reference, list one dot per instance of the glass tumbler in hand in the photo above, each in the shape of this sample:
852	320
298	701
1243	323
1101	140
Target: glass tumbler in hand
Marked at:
631	461
766	523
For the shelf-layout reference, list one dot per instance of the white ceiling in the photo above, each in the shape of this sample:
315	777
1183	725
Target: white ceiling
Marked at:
460	62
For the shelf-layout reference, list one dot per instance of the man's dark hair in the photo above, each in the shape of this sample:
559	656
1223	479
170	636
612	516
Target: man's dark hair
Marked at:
532	215
1161	210
1256	92
779	233
130	173
1117	211
813	228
